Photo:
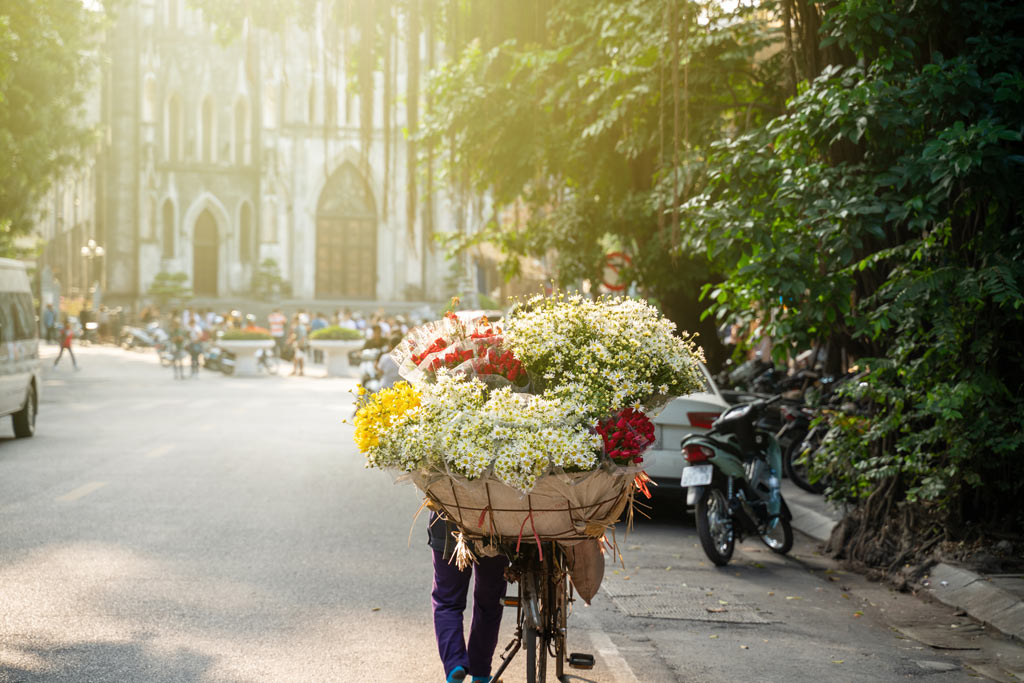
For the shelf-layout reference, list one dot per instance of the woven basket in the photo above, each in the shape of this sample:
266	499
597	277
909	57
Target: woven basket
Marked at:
567	508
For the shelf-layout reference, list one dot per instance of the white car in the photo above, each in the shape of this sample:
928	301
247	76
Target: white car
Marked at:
691	414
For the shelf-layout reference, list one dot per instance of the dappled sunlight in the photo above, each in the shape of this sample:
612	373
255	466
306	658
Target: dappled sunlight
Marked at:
157	612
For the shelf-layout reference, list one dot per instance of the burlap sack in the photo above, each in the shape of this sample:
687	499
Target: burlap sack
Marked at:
562	507
586	567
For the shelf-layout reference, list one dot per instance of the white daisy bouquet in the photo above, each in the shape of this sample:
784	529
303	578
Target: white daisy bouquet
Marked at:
577	379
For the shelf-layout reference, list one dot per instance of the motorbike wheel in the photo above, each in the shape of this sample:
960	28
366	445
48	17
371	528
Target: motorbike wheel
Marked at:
714	526
796	438
797	470
780	538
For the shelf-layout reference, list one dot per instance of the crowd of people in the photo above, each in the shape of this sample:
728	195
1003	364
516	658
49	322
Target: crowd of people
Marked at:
191	330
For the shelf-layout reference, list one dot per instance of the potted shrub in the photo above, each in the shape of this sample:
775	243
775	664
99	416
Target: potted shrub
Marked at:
336	343
243	345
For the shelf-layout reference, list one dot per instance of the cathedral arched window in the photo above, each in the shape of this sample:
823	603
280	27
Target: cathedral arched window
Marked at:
241	131
206	130
149	99
269	107
173	13
245	250
269	221
167	229
173	128
331	113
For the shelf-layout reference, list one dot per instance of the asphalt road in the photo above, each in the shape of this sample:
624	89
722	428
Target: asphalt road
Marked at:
225	529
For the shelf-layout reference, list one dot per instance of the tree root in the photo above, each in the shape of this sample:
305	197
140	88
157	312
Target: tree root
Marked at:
886	536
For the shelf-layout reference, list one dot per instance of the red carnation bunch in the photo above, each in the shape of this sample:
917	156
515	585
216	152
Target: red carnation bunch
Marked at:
626	435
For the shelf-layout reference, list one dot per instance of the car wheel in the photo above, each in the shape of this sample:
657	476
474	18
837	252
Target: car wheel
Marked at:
25	419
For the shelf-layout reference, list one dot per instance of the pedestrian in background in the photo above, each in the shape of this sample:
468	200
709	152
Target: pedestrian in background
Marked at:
178	337
277	321
319	322
298	344
195	345
66	335
50	324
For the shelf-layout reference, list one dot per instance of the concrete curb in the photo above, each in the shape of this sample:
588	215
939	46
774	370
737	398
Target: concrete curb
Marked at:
954	586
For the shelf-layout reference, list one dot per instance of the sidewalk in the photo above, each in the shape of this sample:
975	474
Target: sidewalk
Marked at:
994	600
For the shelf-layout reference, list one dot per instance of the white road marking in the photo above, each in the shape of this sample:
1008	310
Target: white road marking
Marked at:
605	648
81	491
615	662
158	451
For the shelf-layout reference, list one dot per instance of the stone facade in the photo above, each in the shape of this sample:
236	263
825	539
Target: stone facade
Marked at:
216	157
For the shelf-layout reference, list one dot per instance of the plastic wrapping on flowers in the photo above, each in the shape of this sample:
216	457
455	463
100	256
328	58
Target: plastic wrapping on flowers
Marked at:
562	384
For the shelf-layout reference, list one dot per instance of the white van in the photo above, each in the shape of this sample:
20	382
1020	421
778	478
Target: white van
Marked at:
19	349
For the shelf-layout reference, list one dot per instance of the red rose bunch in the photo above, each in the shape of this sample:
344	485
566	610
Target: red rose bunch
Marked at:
494	361
482	346
626	435
438	345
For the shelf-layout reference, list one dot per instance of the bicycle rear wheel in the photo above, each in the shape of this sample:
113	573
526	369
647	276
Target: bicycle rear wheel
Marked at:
533	654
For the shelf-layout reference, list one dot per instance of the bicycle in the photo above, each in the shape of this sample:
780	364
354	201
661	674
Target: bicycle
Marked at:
544	599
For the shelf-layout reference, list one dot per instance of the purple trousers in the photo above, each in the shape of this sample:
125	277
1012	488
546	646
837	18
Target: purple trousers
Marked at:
448	598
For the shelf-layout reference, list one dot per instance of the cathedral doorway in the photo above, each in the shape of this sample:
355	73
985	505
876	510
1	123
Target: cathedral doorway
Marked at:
205	248
346	238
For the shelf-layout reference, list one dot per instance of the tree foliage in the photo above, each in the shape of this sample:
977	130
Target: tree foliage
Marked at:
875	212
46	67
881	214
596	126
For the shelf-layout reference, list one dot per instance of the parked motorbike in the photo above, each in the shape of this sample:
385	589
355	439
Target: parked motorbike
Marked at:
732	476
142	337
212	356
791	437
812	428
226	361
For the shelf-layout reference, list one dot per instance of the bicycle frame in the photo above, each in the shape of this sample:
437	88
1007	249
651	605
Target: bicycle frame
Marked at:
542	607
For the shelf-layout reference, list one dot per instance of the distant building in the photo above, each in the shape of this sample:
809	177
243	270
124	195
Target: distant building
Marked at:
215	158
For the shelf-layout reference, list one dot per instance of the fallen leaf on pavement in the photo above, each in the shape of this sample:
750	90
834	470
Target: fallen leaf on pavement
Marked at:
714	636
716	610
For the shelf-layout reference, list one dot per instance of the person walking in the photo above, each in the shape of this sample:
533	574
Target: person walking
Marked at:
66	335
178	337
319	322
464	662
277	321
195	345
50	324
298	343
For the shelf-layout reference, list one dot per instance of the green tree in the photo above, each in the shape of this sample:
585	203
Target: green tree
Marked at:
597	124
47	59
267	281
881	215
170	288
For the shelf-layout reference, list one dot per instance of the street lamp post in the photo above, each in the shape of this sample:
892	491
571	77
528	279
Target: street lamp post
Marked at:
91	251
